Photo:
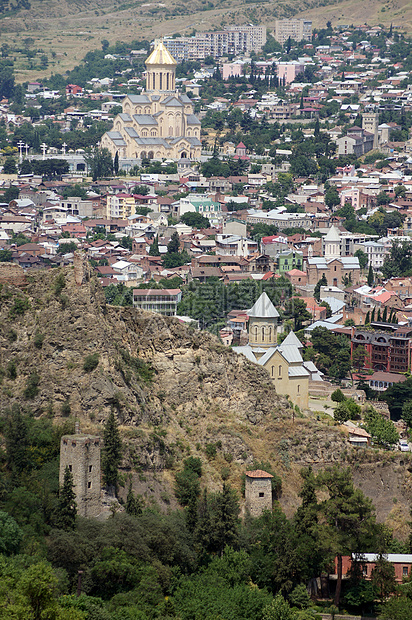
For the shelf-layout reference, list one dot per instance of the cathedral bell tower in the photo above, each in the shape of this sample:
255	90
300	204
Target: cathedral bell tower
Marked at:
160	70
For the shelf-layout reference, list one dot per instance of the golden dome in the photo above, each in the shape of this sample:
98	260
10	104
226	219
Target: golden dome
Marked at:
160	56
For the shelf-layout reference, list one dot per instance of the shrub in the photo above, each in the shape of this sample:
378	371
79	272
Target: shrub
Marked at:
38	340
65	408
12	369
193	463
19	307
338	396
347	410
59	284
32	386
91	362
211	450
12	335
187	486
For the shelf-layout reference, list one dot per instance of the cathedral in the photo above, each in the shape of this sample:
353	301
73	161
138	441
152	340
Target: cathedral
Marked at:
159	123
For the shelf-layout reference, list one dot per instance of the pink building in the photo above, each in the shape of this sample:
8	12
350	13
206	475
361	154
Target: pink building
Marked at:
231	70
289	70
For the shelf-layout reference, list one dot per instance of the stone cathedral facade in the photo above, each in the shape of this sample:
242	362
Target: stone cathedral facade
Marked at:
160	122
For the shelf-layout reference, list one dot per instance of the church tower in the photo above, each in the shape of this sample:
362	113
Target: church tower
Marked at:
161	70
263	322
370	123
331	244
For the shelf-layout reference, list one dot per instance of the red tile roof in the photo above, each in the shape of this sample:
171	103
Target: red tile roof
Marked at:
258	473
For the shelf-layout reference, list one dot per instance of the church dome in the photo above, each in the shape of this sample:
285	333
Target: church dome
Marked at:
161	56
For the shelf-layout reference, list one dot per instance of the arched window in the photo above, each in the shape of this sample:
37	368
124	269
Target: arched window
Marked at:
170	130
298	390
280	371
263	334
160	81
183	155
273	371
143	155
167	81
150	155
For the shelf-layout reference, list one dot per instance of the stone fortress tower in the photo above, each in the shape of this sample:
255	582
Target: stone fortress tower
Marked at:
258	491
81	453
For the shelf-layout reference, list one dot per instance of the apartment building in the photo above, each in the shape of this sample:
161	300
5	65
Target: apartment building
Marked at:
296	29
386	350
231	41
120	206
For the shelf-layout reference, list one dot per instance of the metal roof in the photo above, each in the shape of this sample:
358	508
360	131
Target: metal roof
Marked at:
263	308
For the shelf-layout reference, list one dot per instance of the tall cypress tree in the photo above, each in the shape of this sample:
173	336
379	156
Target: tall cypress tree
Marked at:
112	453
154	248
65	518
373	316
370	276
385	314
132	506
116	163
16	436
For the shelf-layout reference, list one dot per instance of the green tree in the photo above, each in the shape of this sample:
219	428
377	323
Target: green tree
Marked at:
66	509
383	577
99	163
279	609
347	410
397	608
133	506
196	220
9	166
332	197
112	452
10	534
322	282
17	444
116	163
296	308
407	413
39	585
371	277
173	246
349	517
362	257
399	260
154	248
383	431
338	396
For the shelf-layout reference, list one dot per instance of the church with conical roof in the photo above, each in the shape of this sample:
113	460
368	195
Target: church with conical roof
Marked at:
284	362
160	122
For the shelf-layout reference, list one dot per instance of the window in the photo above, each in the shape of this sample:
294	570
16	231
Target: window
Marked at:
263	495
90	468
89	485
280	371
405	571
298	389
365	571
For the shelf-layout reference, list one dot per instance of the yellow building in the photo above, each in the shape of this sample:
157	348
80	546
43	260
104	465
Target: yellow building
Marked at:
159	123
284	362
120	206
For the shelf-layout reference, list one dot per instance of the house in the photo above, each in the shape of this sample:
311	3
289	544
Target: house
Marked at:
163	301
402	563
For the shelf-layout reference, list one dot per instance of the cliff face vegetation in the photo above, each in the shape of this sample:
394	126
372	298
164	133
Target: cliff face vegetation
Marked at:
176	392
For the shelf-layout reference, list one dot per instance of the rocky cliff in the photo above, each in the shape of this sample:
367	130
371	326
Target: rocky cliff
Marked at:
176	392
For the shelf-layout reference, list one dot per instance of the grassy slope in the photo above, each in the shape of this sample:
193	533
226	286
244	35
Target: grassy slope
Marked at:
72	29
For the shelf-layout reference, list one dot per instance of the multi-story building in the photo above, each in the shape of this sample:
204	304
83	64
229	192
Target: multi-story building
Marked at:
232	41
357	142
386	349
234	245
162	301
120	206
375	251
287	260
296	29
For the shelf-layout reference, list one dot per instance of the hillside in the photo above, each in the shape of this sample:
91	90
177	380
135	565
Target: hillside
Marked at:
70	29
176	391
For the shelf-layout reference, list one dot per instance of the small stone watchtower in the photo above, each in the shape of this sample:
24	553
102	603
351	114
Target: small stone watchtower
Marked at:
81	453
258	491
